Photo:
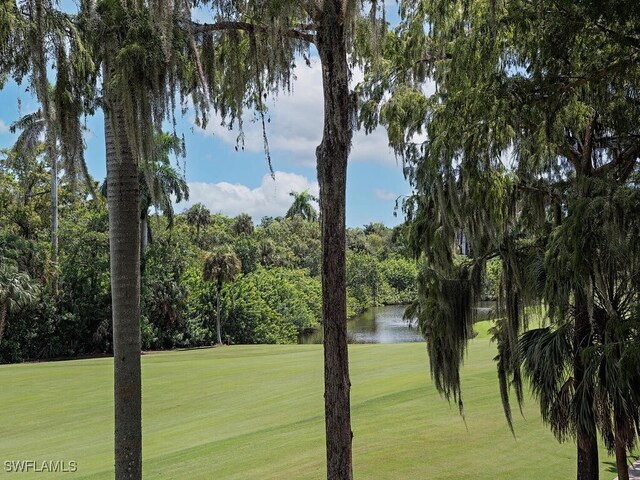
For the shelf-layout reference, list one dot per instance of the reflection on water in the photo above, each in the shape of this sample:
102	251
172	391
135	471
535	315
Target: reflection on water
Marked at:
383	325
376	325
386	325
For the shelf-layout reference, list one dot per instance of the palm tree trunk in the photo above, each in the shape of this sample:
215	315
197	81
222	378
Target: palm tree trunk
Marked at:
587	442
621	461
218	329
332	154
124	236
621	429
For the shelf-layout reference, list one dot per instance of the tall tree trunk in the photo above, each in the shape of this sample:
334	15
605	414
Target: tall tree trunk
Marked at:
332	154
587	442
42	91
218	329
124	242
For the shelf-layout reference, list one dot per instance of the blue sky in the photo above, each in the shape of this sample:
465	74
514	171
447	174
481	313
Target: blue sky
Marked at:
230	181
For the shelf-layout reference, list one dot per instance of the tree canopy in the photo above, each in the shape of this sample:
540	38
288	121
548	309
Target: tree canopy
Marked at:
531	129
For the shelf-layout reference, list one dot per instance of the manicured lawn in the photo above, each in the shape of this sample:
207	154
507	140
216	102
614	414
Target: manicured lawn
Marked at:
256	412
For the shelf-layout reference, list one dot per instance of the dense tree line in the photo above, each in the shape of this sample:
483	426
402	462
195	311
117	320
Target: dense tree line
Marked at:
273	297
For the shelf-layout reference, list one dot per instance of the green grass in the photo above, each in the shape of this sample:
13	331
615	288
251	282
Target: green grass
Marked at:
256	412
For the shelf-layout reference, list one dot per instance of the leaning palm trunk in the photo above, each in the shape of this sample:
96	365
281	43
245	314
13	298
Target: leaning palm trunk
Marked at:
124	235
332	156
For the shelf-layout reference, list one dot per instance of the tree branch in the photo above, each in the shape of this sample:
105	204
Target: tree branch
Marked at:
551	192
623	163
570	154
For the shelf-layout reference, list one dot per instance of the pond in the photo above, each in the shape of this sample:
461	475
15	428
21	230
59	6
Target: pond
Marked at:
386	325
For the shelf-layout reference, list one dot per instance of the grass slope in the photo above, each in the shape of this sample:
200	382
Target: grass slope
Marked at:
256	412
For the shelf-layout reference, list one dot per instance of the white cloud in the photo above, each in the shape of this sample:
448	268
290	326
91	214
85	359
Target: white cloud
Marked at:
296	121
384	195
270	198
4	128
373	148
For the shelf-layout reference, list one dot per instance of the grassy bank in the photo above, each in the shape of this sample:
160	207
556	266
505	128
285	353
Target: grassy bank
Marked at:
256	412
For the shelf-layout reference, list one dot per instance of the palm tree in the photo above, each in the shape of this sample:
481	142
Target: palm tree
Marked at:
268	254
159	181
243	224
16	290
221	266
302	206
30	143
143	68
199	216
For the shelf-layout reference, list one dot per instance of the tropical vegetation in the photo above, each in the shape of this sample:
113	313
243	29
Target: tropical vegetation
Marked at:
265	278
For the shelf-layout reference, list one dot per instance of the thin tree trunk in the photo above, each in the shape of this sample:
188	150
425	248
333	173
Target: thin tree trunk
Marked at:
42	91
218	329
144	237
54	212
3	317
332	154
587	442
124	242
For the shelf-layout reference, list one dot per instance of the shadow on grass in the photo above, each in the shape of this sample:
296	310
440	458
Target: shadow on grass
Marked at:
612	467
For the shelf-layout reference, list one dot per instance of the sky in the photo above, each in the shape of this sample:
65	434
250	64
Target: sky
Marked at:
232	182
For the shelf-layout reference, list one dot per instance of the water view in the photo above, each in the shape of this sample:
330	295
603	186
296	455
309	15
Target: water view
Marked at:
376	325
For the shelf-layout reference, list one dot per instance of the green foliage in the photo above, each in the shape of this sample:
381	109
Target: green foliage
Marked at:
17	290
400	275
84	276
164	295
271	306
248	252
492	279
364	281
